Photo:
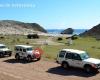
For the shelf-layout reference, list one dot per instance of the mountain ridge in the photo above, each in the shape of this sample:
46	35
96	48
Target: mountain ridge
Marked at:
94	31
18	27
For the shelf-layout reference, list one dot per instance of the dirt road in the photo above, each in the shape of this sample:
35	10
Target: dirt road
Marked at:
10	69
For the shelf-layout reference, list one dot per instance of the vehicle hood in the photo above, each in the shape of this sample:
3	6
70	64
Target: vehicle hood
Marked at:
92	60
4	49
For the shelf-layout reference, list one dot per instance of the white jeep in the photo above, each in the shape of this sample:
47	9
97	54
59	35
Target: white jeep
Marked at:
26	52
77	58
4	50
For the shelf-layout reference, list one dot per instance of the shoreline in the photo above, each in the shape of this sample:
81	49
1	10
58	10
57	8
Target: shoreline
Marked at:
54	35
40	33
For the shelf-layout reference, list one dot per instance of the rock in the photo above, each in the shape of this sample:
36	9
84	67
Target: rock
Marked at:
68	31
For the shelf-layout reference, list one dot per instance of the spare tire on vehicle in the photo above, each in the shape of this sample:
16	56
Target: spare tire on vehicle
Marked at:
37	53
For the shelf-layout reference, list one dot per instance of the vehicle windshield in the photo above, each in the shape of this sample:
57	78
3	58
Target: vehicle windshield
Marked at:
29	49
84	56
2	46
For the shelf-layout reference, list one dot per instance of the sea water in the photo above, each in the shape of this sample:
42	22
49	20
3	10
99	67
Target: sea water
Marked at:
58	31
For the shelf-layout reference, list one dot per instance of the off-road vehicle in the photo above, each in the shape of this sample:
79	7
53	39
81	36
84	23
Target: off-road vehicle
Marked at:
77	58
26	53
4	50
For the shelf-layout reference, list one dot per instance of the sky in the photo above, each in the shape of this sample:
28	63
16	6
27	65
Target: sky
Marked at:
53	14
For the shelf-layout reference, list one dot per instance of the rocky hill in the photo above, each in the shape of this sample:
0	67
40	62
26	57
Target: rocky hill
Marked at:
67	31
95	32
17	27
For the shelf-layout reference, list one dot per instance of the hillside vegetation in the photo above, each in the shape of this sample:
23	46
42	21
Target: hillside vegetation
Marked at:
91	45
17	27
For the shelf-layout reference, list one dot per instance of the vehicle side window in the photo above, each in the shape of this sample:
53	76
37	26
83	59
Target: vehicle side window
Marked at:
24	50
17	49
69	55
62	54
76	57
21	49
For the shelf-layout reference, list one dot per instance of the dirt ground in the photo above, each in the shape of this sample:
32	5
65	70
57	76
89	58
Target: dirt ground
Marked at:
10	69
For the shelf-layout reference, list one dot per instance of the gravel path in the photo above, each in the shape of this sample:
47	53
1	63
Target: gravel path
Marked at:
10	69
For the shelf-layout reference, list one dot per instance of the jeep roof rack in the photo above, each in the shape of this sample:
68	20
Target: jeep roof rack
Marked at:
24	46
74	51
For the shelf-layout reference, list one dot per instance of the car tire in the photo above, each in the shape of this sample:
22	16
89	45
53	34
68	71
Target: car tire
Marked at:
10	54
17	56
65	65
88	69
1	55
29	59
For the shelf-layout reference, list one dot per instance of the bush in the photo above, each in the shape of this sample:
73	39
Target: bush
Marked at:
68	37
59	39
32	36
74	37
2	37
18	40
27	43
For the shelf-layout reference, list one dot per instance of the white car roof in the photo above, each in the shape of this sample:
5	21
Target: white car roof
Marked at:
24	46
2	45
73	51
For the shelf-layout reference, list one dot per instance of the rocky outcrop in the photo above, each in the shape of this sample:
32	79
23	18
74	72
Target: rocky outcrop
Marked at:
68	31
17	27
94	32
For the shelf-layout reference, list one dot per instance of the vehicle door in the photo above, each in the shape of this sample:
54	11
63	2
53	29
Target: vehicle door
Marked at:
21	52
69	58
77	61
24	53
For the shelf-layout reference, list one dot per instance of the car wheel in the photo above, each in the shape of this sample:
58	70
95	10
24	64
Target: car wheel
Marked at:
10	54
29	59
1	55
65	65
17	56
88	69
